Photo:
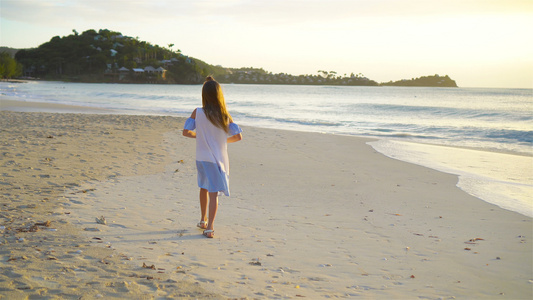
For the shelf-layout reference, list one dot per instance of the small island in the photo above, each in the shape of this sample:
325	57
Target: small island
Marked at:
110	57
434	81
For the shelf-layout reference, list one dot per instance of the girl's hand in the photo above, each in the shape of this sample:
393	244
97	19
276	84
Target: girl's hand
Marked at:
189	133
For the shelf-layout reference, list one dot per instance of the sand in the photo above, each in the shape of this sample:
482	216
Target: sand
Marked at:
310	216
44	158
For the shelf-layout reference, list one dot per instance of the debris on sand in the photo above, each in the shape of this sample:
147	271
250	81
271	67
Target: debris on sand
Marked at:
101	220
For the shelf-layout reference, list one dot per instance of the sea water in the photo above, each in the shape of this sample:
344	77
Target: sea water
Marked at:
483	135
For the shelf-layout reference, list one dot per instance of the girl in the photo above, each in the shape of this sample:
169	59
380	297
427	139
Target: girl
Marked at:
214	130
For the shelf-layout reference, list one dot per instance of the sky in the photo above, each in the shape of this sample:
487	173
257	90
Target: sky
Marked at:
478	43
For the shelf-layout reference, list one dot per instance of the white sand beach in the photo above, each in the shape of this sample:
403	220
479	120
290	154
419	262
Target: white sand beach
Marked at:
310	216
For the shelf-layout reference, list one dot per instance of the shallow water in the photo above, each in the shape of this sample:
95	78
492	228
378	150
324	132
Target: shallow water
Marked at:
494	119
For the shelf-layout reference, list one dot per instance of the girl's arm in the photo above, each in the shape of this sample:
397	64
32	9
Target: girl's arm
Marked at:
235	138
190	133
235	130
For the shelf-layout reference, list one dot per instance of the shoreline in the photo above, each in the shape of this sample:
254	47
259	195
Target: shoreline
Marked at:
382	84
518	197
10	104
311	214
508	183
16	104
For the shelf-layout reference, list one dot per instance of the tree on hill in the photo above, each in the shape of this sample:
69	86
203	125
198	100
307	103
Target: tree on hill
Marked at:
97	56
9	67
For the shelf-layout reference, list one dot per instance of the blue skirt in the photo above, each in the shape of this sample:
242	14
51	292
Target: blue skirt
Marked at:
212	178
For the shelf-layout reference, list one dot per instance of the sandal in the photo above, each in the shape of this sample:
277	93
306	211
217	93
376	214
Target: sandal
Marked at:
209	233
202	225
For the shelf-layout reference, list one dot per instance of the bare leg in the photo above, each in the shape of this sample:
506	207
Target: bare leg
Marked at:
203	204
213	207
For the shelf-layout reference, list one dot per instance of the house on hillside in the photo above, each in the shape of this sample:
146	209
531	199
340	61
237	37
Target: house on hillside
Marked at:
161	72
123	73
169	62
149	69
29	72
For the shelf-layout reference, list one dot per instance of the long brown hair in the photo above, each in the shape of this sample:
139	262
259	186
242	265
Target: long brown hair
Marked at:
214	104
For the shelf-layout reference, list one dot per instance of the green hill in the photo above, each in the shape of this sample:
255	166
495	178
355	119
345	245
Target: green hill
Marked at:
109	56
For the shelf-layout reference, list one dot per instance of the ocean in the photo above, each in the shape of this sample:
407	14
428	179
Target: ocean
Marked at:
483	135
